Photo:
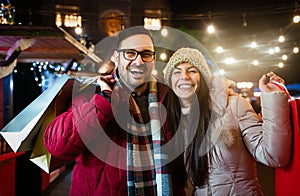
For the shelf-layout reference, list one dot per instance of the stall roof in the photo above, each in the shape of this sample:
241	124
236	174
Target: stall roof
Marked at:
51	43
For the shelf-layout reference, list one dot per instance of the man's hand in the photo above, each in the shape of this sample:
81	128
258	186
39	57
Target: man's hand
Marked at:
103	83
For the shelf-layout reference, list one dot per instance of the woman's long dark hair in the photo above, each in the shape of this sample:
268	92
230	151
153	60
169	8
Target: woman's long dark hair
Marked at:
196	164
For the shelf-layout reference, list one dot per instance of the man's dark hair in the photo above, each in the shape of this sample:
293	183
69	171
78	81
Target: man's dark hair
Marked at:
125	33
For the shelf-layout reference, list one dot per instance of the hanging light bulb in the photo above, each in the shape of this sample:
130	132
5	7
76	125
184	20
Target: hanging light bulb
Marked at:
295	49
281	38
296	18
163	56
253	44
164	32
222	72
219	49
276	49
78	30
244	24
284	57
211	29
255	62
280	64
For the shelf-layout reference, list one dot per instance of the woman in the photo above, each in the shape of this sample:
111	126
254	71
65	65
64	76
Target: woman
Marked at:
221	155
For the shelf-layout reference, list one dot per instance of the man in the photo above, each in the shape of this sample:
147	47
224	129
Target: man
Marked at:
116	135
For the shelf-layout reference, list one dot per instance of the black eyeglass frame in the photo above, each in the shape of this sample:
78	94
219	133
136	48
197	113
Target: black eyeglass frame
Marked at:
137	54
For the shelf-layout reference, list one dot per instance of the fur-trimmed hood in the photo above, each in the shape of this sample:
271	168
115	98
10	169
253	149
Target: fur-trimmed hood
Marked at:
221	134
219	93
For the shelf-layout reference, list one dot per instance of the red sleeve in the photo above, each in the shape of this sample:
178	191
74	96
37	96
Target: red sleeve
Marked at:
70	132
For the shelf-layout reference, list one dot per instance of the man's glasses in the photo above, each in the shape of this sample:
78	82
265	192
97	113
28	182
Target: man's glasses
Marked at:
131	54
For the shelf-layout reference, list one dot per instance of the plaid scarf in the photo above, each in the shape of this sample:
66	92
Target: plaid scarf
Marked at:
147	173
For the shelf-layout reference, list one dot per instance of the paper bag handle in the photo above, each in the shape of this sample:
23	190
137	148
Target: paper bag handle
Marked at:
281	87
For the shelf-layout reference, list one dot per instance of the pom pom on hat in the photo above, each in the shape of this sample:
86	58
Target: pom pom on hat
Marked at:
187	55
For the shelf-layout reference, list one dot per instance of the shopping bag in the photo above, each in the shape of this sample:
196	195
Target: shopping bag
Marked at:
287	177
40	156
22	131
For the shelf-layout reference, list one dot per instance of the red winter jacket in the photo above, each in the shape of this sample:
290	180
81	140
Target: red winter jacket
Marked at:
79	134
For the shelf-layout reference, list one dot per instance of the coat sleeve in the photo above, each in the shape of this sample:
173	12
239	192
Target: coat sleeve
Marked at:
270	141
70	132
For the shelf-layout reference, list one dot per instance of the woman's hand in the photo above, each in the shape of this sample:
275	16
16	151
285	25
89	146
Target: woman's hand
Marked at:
266	86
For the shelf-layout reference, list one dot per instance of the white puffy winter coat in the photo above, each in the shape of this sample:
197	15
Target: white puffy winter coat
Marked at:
240	139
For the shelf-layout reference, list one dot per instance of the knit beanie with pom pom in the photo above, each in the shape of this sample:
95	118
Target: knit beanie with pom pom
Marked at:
187	55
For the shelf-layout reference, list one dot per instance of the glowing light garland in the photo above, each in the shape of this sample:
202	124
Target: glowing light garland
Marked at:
7	14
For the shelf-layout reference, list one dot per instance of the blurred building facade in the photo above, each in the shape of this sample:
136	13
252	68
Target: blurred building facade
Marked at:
98	19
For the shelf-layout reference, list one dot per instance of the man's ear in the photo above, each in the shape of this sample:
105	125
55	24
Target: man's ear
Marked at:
115	57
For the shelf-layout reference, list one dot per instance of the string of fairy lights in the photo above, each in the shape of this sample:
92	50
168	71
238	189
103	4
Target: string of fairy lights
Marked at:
7	13
275	51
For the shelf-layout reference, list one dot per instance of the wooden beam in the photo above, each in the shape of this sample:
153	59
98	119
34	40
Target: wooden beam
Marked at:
81	47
